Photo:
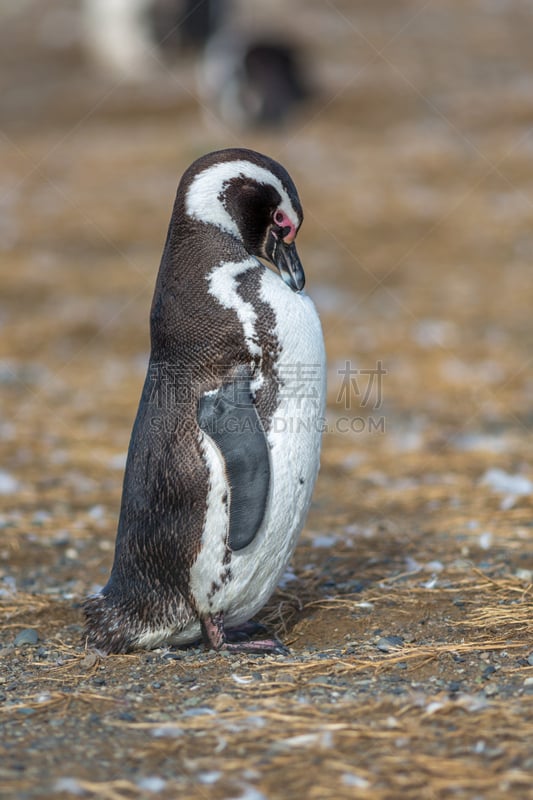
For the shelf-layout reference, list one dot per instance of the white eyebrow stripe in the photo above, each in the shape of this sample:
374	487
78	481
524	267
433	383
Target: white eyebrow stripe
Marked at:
202	198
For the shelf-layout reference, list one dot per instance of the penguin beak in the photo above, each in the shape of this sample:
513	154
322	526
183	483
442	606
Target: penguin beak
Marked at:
285	258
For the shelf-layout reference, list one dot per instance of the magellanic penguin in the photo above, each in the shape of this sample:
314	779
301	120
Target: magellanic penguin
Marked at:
225	448
253	78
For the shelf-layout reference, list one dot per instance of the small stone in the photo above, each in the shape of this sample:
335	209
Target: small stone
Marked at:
209	778
8	484
89	661
358	782
225	701
528	682
388	643
488	671
530	659
26	636
152	783
198	712
69	785
97	512
167	732
126	716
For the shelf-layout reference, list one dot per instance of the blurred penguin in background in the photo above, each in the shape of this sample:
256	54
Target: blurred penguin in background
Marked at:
247	72
252	80
185	25
126	38
116	38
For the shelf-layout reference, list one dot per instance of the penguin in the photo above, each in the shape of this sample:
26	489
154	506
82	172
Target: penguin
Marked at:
127	38
185	25
253	79
225	448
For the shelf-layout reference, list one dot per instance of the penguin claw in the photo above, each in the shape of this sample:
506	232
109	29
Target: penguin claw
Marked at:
258	646
217	638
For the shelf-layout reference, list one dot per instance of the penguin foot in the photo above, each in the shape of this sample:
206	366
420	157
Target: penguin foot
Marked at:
216	638
258	646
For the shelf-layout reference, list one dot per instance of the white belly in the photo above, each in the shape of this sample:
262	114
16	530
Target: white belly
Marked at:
294	439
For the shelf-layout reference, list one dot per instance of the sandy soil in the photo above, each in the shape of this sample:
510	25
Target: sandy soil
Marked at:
407	608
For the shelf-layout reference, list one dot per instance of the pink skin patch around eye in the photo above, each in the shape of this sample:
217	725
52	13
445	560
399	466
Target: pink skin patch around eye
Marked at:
281	219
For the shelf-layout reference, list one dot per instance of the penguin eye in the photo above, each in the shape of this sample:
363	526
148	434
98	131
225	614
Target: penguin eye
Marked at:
280	220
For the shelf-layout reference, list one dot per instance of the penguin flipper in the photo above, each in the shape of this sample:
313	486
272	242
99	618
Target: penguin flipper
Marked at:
229	417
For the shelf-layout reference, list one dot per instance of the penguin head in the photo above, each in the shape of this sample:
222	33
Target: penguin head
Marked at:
252	198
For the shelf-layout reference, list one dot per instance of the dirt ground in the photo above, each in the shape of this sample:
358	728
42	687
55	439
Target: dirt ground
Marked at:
407	608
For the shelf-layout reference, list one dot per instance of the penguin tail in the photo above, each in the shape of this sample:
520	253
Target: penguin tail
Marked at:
106	628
